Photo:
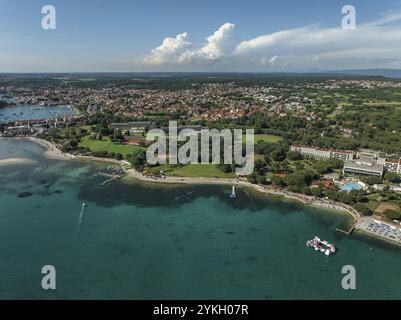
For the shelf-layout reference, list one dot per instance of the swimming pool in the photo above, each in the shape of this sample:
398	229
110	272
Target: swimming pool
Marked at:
351	186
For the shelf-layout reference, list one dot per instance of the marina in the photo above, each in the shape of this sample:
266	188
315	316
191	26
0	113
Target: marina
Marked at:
34	112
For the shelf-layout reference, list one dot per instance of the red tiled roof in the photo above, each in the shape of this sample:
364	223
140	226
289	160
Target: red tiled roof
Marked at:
393	161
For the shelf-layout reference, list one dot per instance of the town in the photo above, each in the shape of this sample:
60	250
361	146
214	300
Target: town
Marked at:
331	138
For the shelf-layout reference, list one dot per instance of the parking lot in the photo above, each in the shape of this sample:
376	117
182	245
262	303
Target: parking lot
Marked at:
380	229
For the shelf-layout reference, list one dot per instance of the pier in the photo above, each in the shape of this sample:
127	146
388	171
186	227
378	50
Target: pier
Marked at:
349	232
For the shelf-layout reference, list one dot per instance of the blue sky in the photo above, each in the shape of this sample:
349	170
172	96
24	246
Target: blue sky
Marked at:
219	35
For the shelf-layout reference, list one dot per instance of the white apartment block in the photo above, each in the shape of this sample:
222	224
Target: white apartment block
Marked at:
322	154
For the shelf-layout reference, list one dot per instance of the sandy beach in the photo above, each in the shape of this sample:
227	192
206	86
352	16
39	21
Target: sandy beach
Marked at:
51	150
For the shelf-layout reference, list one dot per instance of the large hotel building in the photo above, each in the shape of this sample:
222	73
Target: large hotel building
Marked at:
365	162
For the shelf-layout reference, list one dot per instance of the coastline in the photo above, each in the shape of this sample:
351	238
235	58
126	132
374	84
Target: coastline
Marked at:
53	152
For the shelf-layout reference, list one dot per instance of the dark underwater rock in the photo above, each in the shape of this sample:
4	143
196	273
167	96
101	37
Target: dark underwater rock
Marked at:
25	194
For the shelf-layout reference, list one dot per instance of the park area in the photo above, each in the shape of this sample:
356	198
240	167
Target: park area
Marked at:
107	145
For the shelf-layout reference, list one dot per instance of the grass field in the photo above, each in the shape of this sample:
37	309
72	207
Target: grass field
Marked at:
107	145
265	137
382	103
193	171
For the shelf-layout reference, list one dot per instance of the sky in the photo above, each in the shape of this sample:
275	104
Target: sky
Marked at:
199	36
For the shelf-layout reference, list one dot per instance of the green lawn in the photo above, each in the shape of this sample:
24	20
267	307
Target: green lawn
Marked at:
107	145
193	171
265	137
383	103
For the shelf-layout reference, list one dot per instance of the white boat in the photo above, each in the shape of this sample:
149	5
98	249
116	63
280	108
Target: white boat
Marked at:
233	195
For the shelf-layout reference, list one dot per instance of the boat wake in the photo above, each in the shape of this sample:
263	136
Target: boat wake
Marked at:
251	200
179	197
81	216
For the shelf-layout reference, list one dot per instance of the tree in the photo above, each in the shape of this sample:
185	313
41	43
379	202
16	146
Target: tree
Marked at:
226	168
251	178
307	190
73	144
317	192
278	155
138	159
371	180
260	179
327	166
278	181
119	156
260	166
357	195
299	178
294	155
363	209
331	194
392	177
392	214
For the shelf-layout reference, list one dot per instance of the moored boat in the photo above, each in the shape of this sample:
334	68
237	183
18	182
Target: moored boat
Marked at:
233	195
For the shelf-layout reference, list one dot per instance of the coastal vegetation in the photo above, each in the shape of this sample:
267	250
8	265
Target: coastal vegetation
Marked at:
324	111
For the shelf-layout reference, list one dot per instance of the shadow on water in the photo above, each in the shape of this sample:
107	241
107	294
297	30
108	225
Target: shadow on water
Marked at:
168	196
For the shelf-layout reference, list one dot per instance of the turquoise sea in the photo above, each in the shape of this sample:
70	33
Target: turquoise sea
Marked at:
141	241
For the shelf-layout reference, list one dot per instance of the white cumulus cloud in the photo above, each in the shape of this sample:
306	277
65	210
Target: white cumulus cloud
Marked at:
169	51
179	50
375	44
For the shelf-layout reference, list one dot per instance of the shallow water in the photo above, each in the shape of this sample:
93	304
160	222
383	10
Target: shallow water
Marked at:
141	241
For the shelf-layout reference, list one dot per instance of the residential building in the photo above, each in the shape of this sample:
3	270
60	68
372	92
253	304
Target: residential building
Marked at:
393	165
319	153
